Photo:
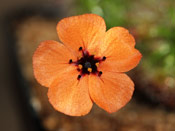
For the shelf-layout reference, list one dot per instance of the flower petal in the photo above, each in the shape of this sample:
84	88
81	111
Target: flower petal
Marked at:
118	47
51	60
115	35
69	95
111	91
81	31
121	61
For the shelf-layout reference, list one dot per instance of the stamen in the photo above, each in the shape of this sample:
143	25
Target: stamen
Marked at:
80	66
87	64
70	61
89	69
97	64
79	76
100	73
104	58
80	48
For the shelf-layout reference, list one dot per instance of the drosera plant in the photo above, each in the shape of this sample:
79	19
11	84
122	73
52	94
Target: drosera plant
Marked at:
88	67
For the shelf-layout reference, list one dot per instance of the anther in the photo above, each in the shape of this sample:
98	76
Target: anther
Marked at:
79	76
80	66
70	61
89	69
97	64
104	58
80	48
100	73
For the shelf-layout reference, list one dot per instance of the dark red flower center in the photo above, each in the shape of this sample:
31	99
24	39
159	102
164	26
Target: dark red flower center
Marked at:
87	64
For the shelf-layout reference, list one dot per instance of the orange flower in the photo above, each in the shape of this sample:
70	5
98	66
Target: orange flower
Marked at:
88	67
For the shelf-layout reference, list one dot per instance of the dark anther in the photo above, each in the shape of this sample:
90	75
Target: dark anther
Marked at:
80	48
79	76
104	58
70	61
100	73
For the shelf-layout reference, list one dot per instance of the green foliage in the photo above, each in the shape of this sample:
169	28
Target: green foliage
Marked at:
111	10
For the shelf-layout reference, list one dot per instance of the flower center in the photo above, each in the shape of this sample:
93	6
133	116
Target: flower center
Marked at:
87	64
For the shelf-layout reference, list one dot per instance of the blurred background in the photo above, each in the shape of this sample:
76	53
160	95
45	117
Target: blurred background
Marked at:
23	102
